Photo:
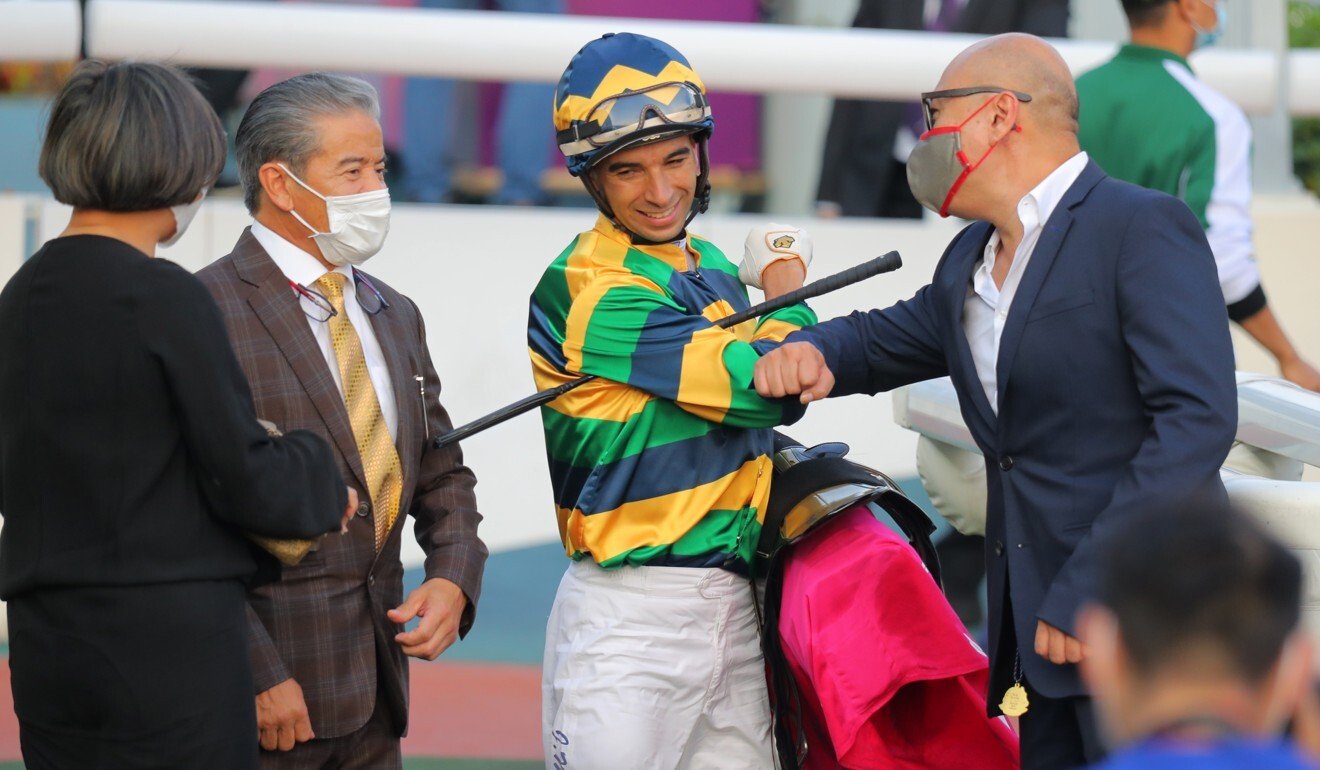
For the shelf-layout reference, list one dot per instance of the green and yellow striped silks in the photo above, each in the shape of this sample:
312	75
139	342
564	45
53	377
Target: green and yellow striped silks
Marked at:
665	460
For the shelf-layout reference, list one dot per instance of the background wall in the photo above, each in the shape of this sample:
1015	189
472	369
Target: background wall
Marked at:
471	269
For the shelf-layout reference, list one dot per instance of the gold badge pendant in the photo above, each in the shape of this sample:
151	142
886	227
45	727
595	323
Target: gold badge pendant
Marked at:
1014	703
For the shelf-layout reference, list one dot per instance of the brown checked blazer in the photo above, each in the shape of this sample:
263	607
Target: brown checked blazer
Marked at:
323	623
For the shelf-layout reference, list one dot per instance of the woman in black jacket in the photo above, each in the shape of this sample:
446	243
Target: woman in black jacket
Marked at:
131	461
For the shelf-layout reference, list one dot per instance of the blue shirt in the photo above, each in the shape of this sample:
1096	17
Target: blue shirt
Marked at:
1228	754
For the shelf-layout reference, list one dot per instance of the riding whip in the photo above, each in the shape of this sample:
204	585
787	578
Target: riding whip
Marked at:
882	264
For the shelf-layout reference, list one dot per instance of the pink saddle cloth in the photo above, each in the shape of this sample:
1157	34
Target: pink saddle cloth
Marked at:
888	677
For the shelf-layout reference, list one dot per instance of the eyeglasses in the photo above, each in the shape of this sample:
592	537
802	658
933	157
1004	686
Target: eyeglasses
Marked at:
618	116
954	93
316	307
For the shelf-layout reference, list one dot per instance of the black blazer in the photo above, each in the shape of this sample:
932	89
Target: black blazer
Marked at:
129	448
1115	385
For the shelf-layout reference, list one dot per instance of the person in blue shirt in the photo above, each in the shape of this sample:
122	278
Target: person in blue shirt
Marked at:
1195	657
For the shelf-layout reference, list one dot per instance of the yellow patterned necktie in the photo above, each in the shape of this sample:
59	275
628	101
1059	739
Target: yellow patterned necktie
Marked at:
380	460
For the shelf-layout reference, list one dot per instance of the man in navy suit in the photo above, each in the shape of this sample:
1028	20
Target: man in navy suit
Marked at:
1081	321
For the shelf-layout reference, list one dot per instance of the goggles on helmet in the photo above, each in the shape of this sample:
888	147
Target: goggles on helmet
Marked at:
617	117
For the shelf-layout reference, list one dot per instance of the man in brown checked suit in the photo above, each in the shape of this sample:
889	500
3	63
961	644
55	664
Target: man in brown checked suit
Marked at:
327	348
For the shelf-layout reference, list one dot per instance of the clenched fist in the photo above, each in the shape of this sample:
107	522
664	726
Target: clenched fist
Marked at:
794	369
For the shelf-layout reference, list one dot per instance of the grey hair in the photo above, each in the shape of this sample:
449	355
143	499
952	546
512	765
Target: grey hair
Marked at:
279	125
131	136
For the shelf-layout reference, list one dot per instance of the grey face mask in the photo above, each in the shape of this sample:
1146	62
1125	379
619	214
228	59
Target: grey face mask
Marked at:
937	168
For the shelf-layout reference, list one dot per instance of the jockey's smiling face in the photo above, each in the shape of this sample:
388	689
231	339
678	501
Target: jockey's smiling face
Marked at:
650	187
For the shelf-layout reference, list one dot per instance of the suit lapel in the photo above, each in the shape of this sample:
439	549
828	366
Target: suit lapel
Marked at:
964	366
388	327
276	307
1042	259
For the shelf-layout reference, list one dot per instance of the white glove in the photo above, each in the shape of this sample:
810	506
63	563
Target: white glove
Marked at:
769	244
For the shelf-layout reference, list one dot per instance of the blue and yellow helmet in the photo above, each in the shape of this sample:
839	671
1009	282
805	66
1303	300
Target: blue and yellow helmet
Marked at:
622	89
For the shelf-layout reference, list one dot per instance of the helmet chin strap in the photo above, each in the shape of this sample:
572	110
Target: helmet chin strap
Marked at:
700	199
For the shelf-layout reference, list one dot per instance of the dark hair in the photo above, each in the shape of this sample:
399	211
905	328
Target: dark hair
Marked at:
130	136
1142	13
1200	576
279	124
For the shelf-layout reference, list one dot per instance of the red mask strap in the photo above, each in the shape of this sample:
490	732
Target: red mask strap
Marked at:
958	127
968	167
984	104
957	184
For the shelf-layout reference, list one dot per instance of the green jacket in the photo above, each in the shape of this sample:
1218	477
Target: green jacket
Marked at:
1146	119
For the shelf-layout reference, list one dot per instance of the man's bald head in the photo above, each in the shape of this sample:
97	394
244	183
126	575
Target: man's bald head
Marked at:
1020	62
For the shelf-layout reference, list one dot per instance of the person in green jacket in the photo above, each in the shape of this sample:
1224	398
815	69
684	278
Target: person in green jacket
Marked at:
1147	119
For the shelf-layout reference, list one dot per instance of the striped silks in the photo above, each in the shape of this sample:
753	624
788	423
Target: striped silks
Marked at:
665	459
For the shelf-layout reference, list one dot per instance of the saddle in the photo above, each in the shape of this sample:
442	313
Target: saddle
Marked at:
809	487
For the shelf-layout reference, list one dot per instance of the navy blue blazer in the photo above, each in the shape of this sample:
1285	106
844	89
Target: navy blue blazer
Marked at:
1116	392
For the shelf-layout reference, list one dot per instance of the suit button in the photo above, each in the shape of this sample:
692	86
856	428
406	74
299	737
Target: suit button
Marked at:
999	548
371	580
364	508
1006	463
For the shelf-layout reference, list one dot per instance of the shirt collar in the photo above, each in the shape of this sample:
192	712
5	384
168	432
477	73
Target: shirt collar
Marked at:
673	254
1150	53
297	265
1034	208
1050	191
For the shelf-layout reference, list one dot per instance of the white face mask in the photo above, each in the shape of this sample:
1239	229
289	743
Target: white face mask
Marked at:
183	216
358	224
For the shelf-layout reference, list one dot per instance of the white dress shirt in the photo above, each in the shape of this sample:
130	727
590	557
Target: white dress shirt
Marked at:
300	267
986	307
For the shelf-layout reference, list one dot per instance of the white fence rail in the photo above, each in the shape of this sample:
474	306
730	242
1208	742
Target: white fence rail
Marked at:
759	58
1274	417
39	30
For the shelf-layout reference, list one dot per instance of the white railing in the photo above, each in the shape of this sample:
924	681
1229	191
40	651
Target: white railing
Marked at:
39	30
1274	418
759	58
1304	82
1279	417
